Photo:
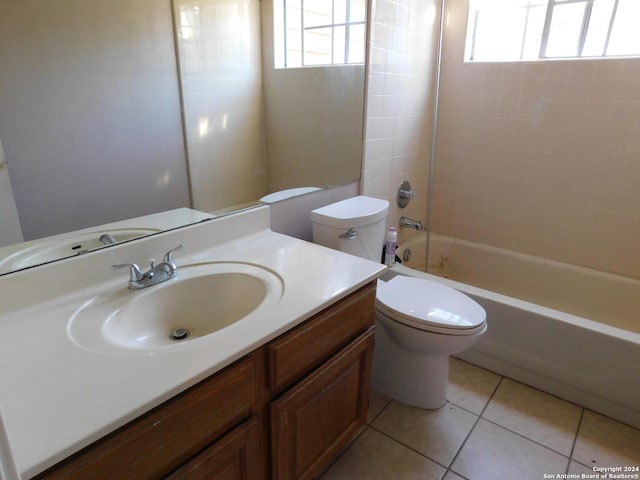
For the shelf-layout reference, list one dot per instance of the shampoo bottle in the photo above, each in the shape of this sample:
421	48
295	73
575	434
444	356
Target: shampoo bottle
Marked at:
390	247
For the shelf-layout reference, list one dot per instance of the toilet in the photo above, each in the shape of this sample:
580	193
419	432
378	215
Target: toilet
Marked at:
419	322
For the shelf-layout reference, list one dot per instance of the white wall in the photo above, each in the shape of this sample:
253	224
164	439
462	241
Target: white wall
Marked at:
90	112
220	65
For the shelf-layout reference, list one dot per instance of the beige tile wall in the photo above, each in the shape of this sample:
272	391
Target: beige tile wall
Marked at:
399	103
540	157
219	61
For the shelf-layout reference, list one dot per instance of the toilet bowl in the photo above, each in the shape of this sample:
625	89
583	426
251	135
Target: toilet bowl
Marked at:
419	323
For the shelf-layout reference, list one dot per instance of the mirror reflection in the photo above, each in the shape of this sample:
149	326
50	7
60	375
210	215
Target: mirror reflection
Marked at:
113	110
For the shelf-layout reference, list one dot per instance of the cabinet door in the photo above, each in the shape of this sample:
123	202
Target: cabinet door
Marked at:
315	420
236	456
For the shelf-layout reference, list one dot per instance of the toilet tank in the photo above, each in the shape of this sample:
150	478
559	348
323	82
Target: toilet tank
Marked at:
355	225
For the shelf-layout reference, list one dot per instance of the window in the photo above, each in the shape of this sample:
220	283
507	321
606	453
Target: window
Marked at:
319	32
506	30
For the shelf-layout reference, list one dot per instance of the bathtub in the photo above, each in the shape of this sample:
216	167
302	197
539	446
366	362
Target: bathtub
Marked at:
567	330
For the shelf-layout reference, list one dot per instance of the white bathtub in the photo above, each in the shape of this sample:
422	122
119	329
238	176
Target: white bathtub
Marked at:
570	331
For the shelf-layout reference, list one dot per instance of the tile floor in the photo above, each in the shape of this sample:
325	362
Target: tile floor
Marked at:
491	428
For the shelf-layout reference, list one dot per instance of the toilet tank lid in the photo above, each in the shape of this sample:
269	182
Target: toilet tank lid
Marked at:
352	212
288	193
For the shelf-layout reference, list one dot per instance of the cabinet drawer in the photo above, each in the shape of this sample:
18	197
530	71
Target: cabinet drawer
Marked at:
315	420
155	444
236	456
296	353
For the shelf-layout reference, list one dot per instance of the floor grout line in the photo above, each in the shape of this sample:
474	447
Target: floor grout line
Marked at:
575	440
446	467
475	424
455	473
381	410
525	437
409	447
336	458
522	435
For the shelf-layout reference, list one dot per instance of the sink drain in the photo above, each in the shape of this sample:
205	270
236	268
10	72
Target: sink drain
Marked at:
180	334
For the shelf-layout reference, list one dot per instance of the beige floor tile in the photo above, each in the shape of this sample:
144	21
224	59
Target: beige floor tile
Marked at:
606	443
541	417
492	452
374	456
438	434
579	469
470	387
377	402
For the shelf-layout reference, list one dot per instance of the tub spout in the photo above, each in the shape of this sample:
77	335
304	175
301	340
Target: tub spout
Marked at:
408	222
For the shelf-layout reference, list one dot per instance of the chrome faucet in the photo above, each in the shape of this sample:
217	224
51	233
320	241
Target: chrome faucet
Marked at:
162	272
408	222
107	239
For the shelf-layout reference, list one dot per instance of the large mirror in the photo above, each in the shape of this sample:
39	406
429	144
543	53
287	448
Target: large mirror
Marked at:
120	109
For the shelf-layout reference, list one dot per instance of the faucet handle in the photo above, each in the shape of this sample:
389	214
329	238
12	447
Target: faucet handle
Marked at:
168	257
406	194
135	274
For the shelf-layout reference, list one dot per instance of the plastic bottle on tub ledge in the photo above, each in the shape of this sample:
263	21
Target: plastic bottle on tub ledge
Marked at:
390	247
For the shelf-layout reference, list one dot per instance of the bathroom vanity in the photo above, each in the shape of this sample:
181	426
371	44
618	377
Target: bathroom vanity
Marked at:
276	394
308	388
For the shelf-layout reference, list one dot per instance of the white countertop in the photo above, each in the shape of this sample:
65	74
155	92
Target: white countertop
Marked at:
57	397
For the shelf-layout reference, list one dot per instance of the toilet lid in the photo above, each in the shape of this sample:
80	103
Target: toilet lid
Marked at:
429	305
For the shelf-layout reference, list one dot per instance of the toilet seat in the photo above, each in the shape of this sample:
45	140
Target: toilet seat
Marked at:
429	306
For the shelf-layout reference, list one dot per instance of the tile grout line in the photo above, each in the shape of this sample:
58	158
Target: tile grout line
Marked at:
409	447
370	425
380	412
520	434
336	458
575	440
524	436
366	426
479	416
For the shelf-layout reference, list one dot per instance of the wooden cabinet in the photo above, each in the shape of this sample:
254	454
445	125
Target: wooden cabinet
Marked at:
329	356
236	456
283	411
314	420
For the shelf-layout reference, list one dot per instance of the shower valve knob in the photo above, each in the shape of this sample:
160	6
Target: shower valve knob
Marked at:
406	194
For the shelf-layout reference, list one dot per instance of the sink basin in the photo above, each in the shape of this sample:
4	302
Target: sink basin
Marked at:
48	250
202	300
